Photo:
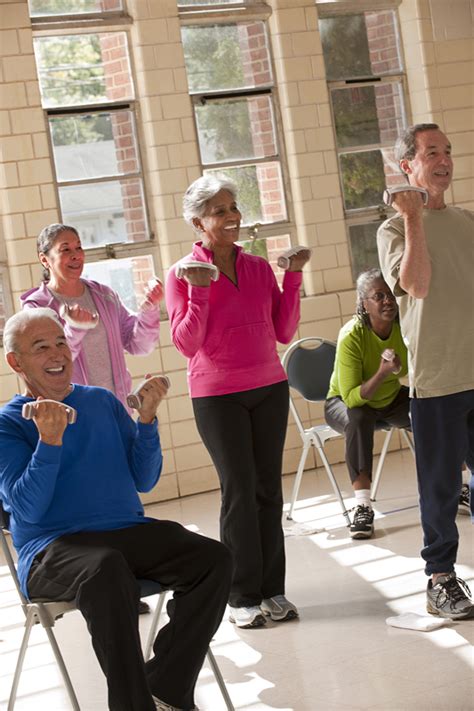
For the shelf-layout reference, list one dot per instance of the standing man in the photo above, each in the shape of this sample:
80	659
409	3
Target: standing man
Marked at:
79	527
427	257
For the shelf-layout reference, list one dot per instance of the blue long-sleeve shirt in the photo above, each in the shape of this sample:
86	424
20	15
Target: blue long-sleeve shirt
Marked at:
90	483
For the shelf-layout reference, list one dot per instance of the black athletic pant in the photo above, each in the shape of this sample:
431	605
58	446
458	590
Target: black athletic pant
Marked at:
358	424
244	433
99	570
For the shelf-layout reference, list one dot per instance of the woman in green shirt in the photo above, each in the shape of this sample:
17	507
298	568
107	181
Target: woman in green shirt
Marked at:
365	387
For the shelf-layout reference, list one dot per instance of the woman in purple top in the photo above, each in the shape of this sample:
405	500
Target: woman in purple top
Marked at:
97	324
228	329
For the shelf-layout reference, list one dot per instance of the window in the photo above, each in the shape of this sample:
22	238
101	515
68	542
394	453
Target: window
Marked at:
366	86
231	84
88	94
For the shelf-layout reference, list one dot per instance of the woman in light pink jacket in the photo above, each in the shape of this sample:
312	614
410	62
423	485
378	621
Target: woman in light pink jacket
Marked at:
228	329
98	326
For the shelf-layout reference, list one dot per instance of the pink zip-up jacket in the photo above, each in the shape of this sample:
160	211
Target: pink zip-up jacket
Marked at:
136	333
229	332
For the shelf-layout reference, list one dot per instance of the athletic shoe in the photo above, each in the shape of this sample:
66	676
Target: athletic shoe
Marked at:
449	597
362	525
464	506
247	617
279	608
143	608
162	706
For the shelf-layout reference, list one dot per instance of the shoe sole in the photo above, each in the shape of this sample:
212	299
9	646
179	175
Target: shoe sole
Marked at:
362	534
439	613
290	615
258	621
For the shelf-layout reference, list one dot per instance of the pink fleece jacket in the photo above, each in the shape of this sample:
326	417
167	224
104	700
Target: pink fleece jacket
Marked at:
229	332
136	333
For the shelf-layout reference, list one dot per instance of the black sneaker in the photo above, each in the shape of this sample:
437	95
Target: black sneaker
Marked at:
449	597
362	525
464	506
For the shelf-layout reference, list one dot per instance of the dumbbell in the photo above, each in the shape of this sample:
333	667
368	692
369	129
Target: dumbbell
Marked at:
65	313
28	410
134	399
283	260
389	354
390	193
182	266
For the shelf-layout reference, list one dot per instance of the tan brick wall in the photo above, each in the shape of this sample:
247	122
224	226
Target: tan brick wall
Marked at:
439	79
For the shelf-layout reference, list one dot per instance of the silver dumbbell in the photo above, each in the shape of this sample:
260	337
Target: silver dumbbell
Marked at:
134	399
28	410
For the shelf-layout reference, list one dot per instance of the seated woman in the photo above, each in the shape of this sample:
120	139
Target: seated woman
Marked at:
365	386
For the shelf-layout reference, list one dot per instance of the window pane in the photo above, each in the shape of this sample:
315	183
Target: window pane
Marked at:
93	145
363	247
363	179
260	191
38	8
270	248
236	129
362	45
107	212
128	277
368	114
78	70
222	57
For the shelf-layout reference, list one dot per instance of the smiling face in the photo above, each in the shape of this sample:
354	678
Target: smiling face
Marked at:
432	166
221	223
381	306
65	259
43	359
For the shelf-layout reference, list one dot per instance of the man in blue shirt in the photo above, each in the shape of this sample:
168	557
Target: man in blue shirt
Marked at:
79	527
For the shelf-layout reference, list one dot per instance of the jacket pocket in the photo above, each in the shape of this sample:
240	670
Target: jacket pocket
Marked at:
244	347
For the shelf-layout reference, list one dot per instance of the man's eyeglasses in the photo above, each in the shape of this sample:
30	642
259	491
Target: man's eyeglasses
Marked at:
382	296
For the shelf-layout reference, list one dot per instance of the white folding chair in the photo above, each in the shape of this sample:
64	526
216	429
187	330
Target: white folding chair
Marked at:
46	614
309	363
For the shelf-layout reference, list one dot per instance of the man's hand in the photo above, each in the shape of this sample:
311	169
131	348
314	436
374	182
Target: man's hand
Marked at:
408	203
50	418
151	395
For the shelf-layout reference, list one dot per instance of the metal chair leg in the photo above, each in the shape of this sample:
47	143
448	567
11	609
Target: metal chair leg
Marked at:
220	680
299	475
154	626
408	440
378	473
29	622
333	481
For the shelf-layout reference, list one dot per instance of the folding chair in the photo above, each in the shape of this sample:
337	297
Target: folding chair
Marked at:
46	614
309	363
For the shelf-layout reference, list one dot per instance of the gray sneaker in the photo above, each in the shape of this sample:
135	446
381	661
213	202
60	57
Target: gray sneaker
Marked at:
450	597
464	506
279	609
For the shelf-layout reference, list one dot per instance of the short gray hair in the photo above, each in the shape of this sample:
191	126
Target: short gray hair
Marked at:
199	193
47	238
405	147
17	324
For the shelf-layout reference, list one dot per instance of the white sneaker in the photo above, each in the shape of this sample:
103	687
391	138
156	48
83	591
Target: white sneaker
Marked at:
247	616
279	608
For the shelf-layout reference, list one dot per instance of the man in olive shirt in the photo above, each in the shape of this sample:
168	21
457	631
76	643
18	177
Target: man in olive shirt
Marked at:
427	258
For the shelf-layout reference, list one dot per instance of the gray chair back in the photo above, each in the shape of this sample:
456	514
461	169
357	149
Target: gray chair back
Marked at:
309	365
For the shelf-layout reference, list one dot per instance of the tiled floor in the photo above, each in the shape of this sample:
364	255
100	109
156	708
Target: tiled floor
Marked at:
340	655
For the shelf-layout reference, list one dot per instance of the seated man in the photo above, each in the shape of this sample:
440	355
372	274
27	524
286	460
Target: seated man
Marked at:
79	526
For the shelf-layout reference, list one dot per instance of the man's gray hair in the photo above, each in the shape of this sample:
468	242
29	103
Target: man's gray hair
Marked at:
405	147
199	193
17	324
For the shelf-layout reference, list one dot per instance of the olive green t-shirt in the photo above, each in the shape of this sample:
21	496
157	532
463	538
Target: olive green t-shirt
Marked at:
439	329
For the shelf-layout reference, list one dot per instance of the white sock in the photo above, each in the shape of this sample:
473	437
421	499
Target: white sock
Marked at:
362	497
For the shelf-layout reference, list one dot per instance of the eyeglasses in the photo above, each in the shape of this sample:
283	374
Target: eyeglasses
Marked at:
380	296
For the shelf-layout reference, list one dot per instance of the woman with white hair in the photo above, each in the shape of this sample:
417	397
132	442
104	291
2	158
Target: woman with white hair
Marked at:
228	329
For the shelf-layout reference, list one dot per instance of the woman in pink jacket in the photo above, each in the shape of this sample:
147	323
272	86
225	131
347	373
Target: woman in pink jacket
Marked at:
228	329
98	326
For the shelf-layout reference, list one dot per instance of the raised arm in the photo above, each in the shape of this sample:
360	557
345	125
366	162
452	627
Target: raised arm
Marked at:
188	309
415	265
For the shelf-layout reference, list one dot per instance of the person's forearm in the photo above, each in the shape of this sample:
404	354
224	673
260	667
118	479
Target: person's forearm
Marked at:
415	267
370	387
